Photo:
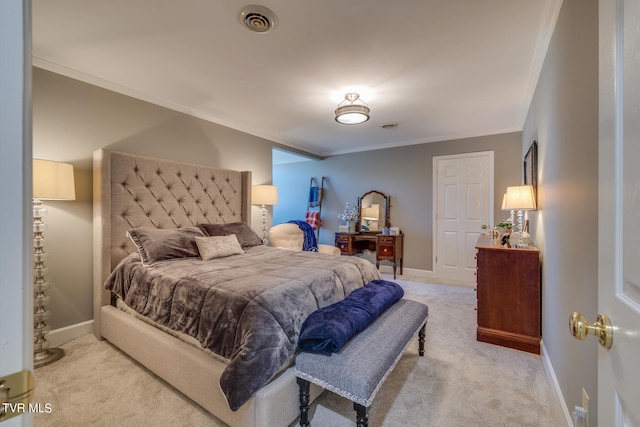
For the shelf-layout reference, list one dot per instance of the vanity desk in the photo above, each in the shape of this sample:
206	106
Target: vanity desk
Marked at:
386	247
373	208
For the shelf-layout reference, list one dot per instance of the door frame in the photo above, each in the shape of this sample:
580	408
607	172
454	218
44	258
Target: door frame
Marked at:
16	304
490	201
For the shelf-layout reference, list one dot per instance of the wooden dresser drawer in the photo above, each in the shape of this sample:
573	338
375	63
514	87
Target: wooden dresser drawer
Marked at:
386	240
385	251
342	238
343	246
343	242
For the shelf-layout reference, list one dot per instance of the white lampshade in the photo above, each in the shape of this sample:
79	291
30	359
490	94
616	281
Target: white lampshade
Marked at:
53	180
264	195
504	202
519	197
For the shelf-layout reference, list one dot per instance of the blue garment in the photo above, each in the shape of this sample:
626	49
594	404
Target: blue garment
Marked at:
314	196
309	243
328	329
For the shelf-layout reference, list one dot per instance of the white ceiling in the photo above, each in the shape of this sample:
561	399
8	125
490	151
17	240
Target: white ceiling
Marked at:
441	69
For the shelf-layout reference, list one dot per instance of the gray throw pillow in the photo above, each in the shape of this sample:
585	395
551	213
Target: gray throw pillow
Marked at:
212	247
157	244
245	234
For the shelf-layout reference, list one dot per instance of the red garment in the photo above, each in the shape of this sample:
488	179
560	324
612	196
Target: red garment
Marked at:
313	219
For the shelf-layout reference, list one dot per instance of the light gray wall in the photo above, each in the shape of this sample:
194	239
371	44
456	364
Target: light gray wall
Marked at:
564	119
404	173
71	119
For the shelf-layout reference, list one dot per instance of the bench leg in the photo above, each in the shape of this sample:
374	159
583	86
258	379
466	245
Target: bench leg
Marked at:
362	419
421	336
304	402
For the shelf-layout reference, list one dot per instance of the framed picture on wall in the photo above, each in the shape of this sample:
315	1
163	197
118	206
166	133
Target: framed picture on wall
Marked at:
531	168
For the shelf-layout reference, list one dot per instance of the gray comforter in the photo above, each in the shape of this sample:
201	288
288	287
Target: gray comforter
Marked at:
246	308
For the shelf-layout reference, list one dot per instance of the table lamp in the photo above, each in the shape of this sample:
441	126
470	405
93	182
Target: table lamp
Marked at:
520	198
264	195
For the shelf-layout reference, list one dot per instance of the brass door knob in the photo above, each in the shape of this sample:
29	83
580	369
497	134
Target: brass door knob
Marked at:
602	328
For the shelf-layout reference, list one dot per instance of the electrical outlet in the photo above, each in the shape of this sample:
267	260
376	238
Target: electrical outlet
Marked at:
585	405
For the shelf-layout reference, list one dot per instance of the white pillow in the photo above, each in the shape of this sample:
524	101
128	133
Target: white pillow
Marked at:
218	246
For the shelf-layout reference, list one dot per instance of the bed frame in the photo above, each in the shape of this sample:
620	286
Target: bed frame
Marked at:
135	191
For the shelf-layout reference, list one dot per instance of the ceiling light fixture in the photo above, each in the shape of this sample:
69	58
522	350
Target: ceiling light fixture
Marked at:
352	110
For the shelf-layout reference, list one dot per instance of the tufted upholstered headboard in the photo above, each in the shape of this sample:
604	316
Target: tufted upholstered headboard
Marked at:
136	191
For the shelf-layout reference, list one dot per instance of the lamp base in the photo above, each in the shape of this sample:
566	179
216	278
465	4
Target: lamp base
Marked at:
265	239
520	242
46	357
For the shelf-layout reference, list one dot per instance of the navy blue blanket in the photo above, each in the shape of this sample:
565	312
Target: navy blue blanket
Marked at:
309	243
328	329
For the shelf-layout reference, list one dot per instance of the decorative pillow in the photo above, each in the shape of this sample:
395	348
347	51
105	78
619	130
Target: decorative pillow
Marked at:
156	244
218	246
245	234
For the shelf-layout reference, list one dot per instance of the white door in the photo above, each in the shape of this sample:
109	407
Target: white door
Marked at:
619	212
463	205
16	290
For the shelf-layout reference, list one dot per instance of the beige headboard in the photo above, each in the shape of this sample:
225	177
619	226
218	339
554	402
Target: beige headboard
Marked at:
136	191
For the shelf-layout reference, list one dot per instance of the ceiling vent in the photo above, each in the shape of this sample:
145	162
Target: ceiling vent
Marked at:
258	19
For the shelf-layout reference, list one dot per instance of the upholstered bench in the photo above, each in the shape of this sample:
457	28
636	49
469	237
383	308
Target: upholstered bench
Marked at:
358	370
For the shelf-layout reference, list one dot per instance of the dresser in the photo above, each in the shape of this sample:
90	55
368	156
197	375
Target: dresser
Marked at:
387	247
508	293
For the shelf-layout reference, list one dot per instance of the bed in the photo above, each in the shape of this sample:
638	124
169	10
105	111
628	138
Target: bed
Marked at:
142	193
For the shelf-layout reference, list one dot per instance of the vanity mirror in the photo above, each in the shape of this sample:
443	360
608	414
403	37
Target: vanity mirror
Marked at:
374	208
374	212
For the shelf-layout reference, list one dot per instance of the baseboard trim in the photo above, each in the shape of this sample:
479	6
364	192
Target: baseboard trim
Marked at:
425	274
62	335
406	272
555	386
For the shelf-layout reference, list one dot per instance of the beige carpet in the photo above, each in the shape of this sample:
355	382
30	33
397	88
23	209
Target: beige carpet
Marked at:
459	382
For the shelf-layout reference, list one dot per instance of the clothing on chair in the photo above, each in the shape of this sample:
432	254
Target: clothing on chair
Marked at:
309	243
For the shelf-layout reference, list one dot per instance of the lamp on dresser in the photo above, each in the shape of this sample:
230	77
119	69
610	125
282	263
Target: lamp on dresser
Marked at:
511	213
51	181
520	198
264	195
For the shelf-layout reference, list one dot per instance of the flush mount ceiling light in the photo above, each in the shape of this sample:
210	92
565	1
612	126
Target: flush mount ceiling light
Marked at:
258	19
352	110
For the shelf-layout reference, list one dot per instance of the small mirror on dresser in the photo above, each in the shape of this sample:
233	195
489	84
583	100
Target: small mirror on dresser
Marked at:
374	212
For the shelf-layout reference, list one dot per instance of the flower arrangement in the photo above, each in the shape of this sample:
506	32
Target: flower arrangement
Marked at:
350	213
506	223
